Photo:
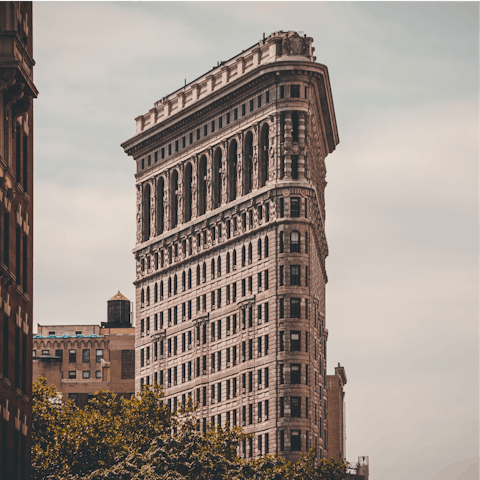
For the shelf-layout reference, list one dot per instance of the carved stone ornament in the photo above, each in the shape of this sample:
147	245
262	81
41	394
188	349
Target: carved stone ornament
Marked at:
7	80
294	44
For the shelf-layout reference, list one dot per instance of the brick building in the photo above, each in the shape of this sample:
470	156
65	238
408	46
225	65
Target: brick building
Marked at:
81	359
336	425
230	253
17	91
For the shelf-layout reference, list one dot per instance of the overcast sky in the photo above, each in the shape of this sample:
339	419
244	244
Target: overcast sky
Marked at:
402	195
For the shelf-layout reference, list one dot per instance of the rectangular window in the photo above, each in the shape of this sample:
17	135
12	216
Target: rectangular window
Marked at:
228	118
244	109
282	373
205	128
72	356
281	275
295	91
72	374
295	440
282	341
98	374
282	208
282	440
170	149
190	138
266	288
282	95
294	341
295	207
86	355
266	382
295	308
86	374
282	407
183	141
282	308
220	122
198	134
251	105
259	101
163	152
296	407
213	126
99	355
295	372
267	96
295	275
235	114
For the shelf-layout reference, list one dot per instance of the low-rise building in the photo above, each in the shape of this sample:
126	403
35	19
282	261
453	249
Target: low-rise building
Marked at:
81	359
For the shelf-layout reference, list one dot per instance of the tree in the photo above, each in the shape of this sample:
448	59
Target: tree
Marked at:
139	438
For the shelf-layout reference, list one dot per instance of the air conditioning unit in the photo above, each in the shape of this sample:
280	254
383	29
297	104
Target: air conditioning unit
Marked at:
169	354
189	346
228	364
213	369
234	267
259	321
259	289
161	357
204	372
234	331
260	386
234	362
244	423
213	401
244	391
228	333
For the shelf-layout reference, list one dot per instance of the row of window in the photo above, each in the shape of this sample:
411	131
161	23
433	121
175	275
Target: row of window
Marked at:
13	354
158	349
215	295
72	374
72	355
208	128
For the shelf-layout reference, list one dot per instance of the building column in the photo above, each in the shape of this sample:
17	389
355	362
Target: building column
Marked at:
240	165
255	162
194	186
209	155
288	146
301	144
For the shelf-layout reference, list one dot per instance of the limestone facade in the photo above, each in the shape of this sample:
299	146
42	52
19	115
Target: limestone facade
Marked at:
230	245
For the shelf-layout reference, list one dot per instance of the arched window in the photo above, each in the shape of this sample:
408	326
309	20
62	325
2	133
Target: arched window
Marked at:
295	241
281	242
213	268
234	259
259	248
189	278
243	256
266	246
161	290
160	208
228	262
155	293
169	286
146	212
250	253
248	164
204	272
174	198
219	266
142	298
232	171
217	178
263	154
184	281
198	275
175	285
188	192
148	295
202	185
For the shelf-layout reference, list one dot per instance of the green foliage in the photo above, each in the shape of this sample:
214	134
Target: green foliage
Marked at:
139	439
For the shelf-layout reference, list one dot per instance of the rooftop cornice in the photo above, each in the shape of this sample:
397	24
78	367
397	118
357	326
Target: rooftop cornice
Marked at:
277	47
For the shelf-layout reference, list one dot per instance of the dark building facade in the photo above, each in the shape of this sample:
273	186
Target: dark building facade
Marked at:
231	247
17	91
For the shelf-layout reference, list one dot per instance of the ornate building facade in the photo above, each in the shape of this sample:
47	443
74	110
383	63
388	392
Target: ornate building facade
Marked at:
16	237
231	248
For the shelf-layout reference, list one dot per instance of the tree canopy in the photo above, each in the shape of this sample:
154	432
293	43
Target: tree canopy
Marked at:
139	438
